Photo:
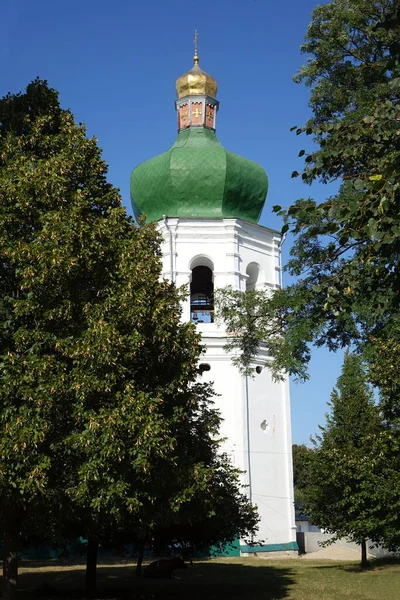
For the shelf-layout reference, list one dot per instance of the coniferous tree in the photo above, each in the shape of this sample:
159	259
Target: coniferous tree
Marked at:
344	494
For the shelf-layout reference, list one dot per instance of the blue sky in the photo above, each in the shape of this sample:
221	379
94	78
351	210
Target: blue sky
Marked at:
115	66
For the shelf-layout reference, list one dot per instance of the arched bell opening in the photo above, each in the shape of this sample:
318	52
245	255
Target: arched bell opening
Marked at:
202	295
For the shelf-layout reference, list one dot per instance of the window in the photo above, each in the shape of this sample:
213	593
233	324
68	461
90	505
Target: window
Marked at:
201	295
254	277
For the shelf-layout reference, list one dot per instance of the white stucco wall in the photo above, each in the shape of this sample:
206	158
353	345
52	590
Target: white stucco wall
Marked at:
256	413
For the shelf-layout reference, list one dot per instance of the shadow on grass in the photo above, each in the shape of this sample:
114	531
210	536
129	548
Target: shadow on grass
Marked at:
205	580
373	564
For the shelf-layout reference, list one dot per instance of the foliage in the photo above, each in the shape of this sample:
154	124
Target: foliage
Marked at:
353	474
101	415
346	249
301	478
346	260
207	523
383	355
64	240
253	319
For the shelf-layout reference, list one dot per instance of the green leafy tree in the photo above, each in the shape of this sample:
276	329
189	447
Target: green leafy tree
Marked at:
184	492
100	409
212	519
346	494
36	185
345	254
346	249
301	454
383	355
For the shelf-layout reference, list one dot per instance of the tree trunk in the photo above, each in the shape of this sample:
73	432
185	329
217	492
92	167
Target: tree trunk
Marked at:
364	559
91	568
10	555
140	558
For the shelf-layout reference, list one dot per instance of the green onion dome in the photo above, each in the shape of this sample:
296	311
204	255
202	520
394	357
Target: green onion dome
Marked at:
198	178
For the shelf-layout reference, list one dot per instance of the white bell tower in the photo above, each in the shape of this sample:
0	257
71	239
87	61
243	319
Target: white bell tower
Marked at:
207	254
206	202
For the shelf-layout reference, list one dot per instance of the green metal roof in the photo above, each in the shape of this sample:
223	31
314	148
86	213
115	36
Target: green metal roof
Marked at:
197	177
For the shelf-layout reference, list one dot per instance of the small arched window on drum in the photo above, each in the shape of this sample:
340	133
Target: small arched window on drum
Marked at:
254	277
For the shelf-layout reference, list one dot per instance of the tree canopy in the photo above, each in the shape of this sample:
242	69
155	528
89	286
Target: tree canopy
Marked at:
101	413
300	454
346	260
346	493
346	249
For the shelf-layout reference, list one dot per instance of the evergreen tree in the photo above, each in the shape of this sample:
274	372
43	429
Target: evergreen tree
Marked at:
343	495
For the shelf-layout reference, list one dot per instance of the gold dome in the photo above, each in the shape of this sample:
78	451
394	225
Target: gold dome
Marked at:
196	82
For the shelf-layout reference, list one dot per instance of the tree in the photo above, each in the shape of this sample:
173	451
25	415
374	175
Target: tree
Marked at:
301	454
100	409
346	249
62	231
339	496
34	177
208	522
182	492
383	355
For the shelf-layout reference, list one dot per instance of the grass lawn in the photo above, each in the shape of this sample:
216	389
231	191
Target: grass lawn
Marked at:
230	578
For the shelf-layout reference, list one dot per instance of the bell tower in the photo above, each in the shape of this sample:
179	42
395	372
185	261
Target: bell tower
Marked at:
207	202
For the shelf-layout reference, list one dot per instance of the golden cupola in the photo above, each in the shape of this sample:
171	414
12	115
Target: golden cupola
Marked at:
196	104
196	82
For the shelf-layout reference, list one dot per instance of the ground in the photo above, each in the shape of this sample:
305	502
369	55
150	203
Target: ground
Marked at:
219	579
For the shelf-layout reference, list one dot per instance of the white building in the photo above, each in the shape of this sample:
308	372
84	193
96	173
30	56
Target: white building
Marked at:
206	202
